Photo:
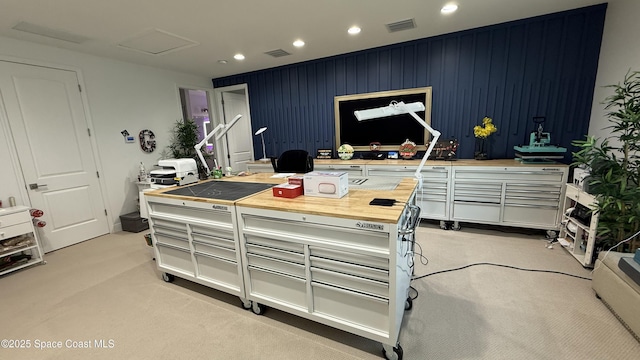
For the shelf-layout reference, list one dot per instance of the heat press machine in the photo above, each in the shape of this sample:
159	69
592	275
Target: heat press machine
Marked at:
175	172
539	149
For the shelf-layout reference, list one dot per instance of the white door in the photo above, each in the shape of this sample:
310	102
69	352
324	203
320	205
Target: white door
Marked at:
238	148
50	131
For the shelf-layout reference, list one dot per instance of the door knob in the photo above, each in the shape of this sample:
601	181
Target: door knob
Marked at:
35	186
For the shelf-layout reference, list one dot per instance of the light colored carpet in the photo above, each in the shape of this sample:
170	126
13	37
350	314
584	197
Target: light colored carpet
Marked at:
109	289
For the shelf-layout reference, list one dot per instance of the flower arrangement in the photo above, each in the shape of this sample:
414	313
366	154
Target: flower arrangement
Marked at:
487	128
482	132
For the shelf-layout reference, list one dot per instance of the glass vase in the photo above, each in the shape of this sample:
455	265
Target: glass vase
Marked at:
481	151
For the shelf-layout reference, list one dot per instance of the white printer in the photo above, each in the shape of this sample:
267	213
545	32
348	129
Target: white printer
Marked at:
175	172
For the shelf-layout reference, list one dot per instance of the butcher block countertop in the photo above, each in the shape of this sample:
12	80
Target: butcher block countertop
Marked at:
354	205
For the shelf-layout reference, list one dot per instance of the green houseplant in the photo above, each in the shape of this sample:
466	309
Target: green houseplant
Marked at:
615	166
184	137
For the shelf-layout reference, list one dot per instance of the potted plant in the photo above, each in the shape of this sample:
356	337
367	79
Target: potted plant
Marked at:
614	165
184	137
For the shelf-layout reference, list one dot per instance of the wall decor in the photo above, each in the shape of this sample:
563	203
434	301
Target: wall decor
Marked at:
147	140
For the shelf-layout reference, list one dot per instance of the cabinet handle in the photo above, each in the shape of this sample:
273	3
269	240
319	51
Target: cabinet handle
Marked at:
276	260
215	257
251	267
171	236
351	277
344	291
534	206
173	247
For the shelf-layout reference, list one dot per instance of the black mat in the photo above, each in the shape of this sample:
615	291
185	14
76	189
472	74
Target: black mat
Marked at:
223	190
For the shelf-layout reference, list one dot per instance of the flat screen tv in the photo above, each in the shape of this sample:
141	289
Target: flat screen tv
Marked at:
390	131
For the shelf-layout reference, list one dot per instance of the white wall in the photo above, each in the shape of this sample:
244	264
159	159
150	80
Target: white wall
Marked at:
120	96
620	52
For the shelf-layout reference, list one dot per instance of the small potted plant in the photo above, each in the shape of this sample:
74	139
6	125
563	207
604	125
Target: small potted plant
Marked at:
184	137
482	133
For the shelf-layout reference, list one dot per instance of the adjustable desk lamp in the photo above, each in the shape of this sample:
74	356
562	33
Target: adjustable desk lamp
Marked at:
264	152
224	128
397	108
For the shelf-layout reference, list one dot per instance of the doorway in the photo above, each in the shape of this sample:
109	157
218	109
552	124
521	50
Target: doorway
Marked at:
48	124
235	148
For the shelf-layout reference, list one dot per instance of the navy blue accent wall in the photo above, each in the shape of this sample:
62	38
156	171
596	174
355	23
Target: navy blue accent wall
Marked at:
511	72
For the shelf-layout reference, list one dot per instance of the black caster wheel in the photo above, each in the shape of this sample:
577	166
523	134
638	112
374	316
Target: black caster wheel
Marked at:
167	277
456	227
246	304
408	304
258	309
444	225
396	355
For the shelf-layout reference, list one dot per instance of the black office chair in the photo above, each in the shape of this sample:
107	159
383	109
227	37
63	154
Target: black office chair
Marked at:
293	161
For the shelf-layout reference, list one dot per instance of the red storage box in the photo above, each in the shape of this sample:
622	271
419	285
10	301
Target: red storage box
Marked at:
287	190
296	180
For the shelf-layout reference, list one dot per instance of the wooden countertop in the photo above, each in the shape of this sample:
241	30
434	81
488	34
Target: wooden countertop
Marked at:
416	162
354	205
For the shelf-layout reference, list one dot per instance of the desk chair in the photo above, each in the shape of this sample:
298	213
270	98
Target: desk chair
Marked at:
293	161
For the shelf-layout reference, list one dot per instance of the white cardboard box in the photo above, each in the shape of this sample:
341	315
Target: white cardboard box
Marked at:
326	184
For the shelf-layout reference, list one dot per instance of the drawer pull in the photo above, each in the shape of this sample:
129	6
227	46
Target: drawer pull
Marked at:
349	265
351	277
172	236
173	247
214	246
549	207
349	292
276	260
215	257
257	268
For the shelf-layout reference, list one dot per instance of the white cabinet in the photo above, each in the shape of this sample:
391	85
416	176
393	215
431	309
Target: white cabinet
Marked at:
523	196
350	274
259	167
352	170
578	233
433	198
196	241
19	245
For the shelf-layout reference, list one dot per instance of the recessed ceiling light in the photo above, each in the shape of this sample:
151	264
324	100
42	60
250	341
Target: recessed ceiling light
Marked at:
298	43
238	57
354	30
222	61
449	8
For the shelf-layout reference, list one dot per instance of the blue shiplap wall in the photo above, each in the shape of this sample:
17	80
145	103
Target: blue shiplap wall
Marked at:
511	72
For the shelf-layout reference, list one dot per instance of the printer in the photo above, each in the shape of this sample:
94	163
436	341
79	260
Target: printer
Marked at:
175	172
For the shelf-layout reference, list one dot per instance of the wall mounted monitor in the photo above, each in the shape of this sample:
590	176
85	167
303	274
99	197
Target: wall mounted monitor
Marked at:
390	131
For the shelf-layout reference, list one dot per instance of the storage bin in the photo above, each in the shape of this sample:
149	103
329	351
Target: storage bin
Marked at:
132	222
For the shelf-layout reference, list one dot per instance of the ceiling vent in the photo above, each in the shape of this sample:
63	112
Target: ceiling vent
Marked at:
277	53
401	25
157	42
50	33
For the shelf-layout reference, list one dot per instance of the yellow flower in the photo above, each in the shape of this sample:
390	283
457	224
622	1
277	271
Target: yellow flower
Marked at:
487	128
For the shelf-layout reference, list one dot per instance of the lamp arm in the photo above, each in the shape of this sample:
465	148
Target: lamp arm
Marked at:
225	128
436	135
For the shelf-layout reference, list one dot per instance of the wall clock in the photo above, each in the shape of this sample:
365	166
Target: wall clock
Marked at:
147	140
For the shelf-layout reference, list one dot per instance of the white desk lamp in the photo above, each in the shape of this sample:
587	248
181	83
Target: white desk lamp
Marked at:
397	108
264	152
224	128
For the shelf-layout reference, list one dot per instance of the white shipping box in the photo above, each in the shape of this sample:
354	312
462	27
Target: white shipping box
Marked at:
326	184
